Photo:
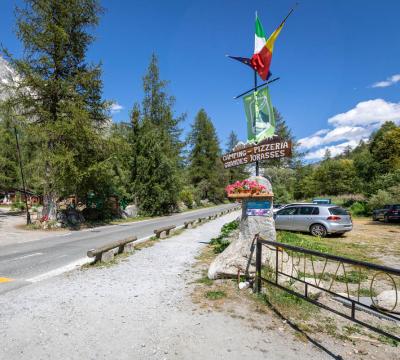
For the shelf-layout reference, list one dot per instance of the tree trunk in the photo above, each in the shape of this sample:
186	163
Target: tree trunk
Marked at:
49	211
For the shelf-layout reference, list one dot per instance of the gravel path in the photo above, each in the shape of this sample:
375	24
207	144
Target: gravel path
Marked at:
138	309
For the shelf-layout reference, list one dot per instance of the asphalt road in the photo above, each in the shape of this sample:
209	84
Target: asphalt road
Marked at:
24	263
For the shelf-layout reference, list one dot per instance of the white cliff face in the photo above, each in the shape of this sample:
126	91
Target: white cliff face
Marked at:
6	76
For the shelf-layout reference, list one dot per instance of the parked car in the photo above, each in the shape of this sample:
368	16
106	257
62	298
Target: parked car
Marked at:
317	219
388	213
277	207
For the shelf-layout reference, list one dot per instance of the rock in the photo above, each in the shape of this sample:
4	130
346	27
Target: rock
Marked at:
131	211
204	202
244	285
182	206
107	256
240	254
300	287
388	300
262	181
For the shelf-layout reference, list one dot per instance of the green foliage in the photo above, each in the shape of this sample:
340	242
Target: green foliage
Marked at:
302	241
18	206
385	148
205	168
359	209
62	114
188	196
221	242
352	277
283	182
155	141
215	295
384	197
238	172
8	159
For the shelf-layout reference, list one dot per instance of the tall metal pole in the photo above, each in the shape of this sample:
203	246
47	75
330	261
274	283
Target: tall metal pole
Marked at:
28	217
255	86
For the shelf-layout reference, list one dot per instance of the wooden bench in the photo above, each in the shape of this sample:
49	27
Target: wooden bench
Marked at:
164	231
106	252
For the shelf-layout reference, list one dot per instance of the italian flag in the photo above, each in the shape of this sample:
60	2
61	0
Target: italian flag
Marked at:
263	49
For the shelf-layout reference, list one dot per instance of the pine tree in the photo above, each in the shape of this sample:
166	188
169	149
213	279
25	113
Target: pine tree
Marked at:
205	167
237	172
58	95
327	155
157	184
157	148
9	177
285	133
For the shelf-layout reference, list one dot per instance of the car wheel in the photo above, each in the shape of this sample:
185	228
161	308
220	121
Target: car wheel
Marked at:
386	219
318	230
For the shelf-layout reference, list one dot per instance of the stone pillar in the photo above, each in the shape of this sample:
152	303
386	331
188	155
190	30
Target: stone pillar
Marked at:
240	254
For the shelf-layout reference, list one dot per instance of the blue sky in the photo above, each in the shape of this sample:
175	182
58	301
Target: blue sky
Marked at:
339	61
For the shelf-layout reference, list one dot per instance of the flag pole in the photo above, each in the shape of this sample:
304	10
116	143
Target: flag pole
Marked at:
255	87
28	217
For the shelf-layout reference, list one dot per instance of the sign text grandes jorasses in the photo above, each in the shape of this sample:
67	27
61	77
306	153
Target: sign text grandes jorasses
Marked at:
272	149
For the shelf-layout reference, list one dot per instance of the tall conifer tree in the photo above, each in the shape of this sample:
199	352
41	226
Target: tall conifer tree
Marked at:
157	157
205	167
59	95
237	172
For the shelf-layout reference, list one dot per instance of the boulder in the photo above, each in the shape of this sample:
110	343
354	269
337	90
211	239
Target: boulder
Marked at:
240	255
388	300
131	211
182	206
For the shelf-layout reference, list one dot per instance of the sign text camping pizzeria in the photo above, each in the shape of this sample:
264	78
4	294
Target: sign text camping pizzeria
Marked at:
270	149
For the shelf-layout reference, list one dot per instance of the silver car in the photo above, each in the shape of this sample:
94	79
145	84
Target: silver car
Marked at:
317	219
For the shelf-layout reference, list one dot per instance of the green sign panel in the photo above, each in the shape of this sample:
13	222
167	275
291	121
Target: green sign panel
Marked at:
260	115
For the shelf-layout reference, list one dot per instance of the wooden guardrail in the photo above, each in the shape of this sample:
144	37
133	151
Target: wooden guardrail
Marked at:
189	224
164	231
106	252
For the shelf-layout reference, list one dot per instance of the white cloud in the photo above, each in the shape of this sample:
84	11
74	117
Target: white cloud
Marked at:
369	112
350	127
388	82
340	133
334	150
116	108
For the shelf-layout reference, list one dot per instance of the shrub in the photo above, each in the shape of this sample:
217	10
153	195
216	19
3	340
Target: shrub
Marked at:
359	209
18	205
187	196
221	242
380	199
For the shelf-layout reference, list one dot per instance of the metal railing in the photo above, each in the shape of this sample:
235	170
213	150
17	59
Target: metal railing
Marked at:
300	271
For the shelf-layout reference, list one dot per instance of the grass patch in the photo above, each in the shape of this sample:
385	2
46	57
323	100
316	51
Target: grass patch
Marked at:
352	277
388	341
367	292
328	245
215	295
289	305
302	240
221	242
204	280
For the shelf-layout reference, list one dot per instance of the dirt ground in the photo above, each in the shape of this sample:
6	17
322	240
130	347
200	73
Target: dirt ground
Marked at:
13	228
378	240
288	315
